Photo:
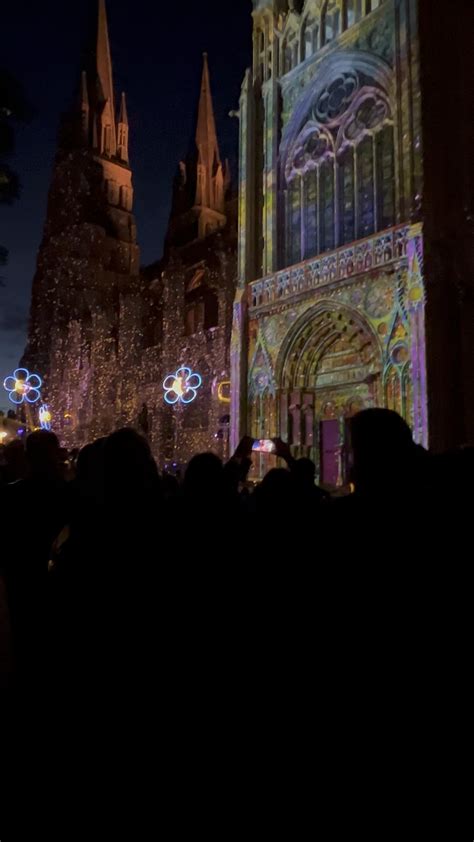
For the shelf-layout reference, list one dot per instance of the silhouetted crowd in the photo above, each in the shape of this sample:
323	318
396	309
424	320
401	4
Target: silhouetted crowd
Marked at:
112	575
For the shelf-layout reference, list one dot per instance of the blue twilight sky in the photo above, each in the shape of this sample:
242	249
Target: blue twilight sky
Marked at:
157	58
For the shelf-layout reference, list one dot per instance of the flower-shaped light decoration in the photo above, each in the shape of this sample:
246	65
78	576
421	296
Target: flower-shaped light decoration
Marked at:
23	386
45	417
182	386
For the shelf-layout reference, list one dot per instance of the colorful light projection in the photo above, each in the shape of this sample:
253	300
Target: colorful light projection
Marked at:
45	417
23	386
223	391
182	386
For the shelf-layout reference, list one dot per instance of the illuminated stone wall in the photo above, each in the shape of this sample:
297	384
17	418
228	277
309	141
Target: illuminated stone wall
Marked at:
329	316
209	268
104	335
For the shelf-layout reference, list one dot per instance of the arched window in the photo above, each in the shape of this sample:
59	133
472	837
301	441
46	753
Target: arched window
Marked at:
310	38
330	23
365	168
311	213
385	177
353	11
326	206
293	221
346	196
290	52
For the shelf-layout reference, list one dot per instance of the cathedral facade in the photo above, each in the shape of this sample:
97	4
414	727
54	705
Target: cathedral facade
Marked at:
333	311
116	344
348	284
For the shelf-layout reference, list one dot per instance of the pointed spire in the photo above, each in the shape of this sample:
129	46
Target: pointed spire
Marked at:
104	61
122	131
105	82
209	161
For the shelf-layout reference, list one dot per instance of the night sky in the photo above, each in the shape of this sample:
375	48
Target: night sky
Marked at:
157	59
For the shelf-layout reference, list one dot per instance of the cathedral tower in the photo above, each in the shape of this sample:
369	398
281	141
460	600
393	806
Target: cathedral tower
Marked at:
192	291
203	180
86	281
210	172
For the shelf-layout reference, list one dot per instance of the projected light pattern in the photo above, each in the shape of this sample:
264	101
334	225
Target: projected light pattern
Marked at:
23	386
182	386
45	417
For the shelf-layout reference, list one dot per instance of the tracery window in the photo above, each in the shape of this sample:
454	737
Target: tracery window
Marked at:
365	160
311	213
326	192
386	177
293	223
347	195
344	157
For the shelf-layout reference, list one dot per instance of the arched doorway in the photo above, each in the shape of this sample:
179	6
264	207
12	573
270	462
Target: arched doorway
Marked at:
329	368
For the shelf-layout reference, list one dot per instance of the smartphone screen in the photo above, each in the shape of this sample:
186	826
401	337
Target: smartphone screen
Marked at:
264	446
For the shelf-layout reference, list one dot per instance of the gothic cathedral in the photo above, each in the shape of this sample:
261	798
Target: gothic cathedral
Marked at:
343	280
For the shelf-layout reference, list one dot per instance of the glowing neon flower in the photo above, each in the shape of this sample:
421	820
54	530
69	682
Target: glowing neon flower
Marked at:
23	386
181	386
45	417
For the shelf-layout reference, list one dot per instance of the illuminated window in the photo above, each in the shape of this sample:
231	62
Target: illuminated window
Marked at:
311	213
385	178
311	39
346	196
326	204
365	169
330	24
293	225
290	53
353	11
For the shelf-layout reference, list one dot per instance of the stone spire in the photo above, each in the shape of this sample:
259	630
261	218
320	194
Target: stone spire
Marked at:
105	88
210	176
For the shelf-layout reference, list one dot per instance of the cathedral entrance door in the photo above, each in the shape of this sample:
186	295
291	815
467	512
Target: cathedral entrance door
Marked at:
330	451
